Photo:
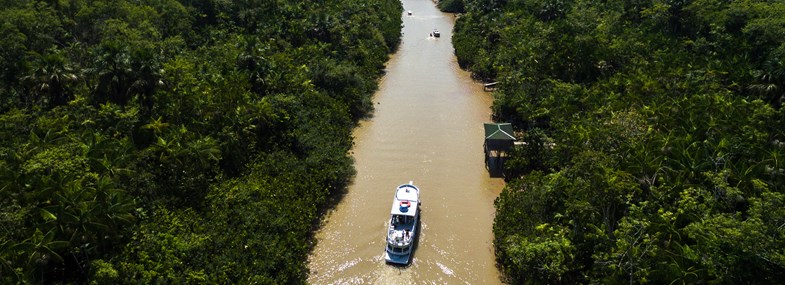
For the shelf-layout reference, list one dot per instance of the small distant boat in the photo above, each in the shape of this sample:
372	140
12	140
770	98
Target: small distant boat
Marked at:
436	33
409	12
404	217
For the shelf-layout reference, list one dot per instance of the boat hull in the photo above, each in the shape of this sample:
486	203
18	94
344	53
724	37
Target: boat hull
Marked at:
401	259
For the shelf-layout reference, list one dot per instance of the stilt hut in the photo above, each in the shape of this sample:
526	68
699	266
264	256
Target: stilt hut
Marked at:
498	139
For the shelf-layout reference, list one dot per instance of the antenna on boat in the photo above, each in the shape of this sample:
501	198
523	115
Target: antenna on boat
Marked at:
411	182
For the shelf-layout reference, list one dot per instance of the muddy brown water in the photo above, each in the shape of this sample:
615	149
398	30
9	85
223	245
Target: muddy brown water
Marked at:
427	128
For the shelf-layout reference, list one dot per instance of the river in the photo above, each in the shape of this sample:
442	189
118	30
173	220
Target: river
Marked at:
427	128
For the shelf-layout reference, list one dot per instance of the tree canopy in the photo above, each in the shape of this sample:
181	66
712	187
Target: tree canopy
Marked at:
178	141
653	135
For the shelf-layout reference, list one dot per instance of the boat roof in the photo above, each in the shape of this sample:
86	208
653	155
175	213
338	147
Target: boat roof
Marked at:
406	192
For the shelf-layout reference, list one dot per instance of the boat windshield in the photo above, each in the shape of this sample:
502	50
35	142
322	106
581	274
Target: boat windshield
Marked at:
401	220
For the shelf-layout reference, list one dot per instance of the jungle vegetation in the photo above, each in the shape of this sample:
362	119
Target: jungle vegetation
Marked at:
654	138
178	141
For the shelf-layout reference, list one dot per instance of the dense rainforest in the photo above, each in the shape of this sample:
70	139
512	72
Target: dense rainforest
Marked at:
653	142
178	141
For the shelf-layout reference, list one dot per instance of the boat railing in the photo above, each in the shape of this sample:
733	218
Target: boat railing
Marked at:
399	237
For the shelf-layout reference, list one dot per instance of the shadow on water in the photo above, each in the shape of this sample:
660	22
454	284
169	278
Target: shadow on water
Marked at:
495	166
331	201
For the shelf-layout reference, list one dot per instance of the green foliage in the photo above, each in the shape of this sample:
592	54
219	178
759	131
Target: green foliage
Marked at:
651	138
543	260
178	141
452	6
162	250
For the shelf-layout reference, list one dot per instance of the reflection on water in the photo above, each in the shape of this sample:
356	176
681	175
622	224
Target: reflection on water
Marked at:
427	128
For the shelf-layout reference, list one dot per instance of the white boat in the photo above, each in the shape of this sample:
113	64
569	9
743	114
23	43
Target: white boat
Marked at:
404	219
409	12
436	33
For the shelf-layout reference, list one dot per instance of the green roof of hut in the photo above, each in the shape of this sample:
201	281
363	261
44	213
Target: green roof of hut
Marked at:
498	136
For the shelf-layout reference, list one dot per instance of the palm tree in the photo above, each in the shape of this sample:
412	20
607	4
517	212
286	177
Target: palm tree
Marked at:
50	79
772	81
146	74
113	68
253	61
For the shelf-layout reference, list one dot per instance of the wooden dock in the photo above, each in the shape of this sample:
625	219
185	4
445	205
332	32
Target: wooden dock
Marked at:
488	87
